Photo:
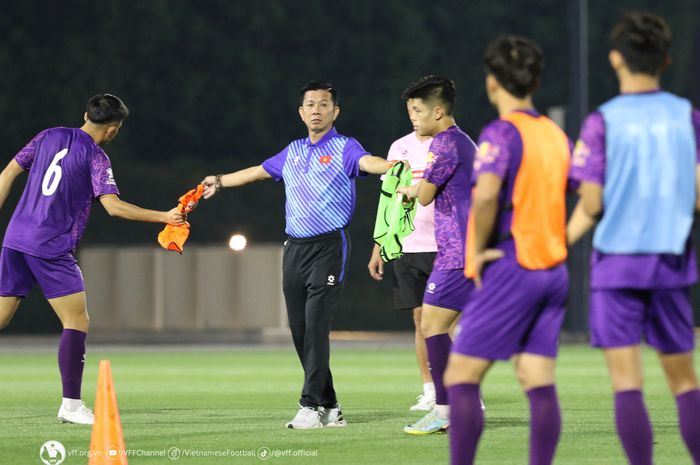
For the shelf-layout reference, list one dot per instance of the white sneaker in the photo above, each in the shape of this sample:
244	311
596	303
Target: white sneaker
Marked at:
80	416
306	418
426	402
333	418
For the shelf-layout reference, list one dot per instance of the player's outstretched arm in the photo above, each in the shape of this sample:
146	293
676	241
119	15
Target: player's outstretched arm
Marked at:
214	183
7	177
117	207
374	165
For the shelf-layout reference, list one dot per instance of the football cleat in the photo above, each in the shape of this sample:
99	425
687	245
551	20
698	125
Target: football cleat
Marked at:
429	424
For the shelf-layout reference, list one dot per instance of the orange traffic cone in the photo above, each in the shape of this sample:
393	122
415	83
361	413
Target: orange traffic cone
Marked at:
107	443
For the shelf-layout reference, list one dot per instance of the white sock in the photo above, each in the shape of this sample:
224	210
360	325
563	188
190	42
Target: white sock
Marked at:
443	411
429	389
71	404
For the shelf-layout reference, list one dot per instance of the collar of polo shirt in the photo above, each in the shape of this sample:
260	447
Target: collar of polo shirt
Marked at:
328	135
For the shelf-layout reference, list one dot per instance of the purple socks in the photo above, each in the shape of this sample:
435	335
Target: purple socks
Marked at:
71	361
631	419
438	354
634	427
466	422
545	424
689	421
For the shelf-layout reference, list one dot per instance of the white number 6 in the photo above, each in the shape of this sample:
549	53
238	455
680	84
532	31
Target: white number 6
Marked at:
53	174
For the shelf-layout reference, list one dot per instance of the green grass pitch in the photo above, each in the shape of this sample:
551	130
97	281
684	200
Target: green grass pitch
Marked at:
208	402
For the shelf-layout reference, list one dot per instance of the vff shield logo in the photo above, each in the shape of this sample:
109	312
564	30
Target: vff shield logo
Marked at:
52	453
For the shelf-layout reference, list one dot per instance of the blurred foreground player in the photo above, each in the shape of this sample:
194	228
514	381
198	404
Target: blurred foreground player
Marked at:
68	171
637	160
519	215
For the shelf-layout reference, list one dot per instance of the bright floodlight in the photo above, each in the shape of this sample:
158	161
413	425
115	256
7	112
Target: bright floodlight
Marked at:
237	242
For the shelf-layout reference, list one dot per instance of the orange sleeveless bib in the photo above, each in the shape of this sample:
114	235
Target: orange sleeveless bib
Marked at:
539	196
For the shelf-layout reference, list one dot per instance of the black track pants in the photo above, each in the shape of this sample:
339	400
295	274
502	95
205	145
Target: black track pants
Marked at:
313	276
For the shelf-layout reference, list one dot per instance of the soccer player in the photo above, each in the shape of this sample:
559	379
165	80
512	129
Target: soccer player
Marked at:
68	171
447	181
411	271
519	215
319	174
637	161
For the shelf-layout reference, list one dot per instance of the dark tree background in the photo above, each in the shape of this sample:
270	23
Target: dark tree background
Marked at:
212	86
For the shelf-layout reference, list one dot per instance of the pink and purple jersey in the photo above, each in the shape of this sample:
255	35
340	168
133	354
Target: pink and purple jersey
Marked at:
67	172
631	271
450	164
410	148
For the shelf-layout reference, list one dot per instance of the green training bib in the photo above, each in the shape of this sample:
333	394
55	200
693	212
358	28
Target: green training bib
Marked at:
394	217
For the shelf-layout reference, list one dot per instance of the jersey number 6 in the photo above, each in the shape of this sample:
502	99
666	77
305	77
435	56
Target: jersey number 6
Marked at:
53	174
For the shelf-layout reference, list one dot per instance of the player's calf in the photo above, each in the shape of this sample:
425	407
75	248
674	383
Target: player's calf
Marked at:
680	372
8	307
534	371
72	311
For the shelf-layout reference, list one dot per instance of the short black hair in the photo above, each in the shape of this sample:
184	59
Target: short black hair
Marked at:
318	85
644	40
105	109
431	88
516	63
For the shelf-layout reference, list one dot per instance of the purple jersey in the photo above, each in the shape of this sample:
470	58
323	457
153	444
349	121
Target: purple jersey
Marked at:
67	172
639	271
450	164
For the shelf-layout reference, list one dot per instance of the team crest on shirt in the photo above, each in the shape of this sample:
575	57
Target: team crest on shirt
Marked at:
110	177
581	153
486	153
325	159
431	158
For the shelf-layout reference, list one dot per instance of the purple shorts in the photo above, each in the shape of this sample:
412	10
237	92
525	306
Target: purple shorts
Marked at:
448	289
516	310
56	277
619	317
